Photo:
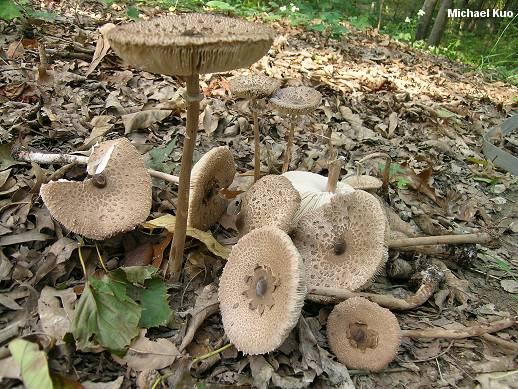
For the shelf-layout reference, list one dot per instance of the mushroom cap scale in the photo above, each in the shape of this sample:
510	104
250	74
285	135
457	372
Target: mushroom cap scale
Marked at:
191	43
363	182
363	335
270	201
101	212
214	171
261	290
253	86
343	242
296	100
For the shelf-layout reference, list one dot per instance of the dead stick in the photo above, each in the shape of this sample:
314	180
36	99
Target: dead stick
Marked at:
440	239
467	332
333	175
24	155
501	342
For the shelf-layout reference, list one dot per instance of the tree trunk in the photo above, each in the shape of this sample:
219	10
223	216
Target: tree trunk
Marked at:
423	25
440	23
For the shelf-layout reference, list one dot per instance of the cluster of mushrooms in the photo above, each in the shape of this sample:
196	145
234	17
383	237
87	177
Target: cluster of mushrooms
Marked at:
298	230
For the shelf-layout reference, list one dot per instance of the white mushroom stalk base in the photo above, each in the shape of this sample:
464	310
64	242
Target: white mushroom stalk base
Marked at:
64	159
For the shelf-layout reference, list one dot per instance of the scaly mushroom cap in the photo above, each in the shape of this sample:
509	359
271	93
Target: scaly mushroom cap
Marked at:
363	182
114	201
270	201
214	171
254	86
261	290
363	335
343	242
191	43
296	100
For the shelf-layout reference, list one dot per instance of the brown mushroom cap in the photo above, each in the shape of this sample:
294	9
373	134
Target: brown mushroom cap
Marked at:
191	43
254	86
99	212
363	182
261	290
363	335
343	242
296	100
270	201
214	171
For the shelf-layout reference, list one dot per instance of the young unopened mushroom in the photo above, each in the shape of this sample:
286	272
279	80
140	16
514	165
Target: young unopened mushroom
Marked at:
363	182
189	45
253	87
261	290
295	101
363	335
270	201
343	242
214	171
115	199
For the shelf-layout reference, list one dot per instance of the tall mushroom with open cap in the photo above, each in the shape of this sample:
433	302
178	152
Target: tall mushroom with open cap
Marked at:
363	335
294	101
253	87
214	171
261	290
115	199
343	242
189	45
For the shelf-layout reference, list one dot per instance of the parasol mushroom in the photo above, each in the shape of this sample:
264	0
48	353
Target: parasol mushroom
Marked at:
253	87
115	199
363	335
214	171
261	290
343	242
189	45
270	201
295	101
363	182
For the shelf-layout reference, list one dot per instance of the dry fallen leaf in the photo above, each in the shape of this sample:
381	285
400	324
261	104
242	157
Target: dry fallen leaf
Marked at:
56	311
101	49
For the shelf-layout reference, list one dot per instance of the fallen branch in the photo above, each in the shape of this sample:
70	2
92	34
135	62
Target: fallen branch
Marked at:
21	154
440	239
461	333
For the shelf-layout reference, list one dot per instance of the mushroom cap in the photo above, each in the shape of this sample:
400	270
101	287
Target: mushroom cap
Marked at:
363	182
343	242
214	171
270	201
296	100
254	86
101	212
261	290
191	43
363	335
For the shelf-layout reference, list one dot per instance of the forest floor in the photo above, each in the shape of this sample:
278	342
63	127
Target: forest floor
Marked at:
426	112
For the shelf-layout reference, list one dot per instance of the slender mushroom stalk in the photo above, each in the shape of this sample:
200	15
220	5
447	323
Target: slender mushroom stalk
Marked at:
189	45
333	175
294	101
257	140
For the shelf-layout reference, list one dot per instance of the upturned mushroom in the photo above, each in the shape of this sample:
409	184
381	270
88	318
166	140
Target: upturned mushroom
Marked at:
294	101
261	290
253	87
189	45
270	201
343	242
213	172
363	335
116	198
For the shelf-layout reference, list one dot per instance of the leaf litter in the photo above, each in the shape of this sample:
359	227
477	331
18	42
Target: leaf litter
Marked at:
426	112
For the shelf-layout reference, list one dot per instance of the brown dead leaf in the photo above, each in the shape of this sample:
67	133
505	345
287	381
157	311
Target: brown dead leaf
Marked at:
229	194
15	50
420	183
56	311
158	251
393	122
101	125
140	120
141	255
101	48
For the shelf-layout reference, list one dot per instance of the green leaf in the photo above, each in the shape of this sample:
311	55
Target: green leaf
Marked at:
136	274
220	6
153	299
9	10
105	316
33	364
132	13
158	156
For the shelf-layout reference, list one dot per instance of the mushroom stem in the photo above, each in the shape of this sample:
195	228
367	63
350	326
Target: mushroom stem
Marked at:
287	156
257	151
193	98
333	175
440	239
24	155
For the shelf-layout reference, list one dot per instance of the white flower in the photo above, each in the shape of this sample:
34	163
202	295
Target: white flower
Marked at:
283	8
420	13
294	8
407	20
